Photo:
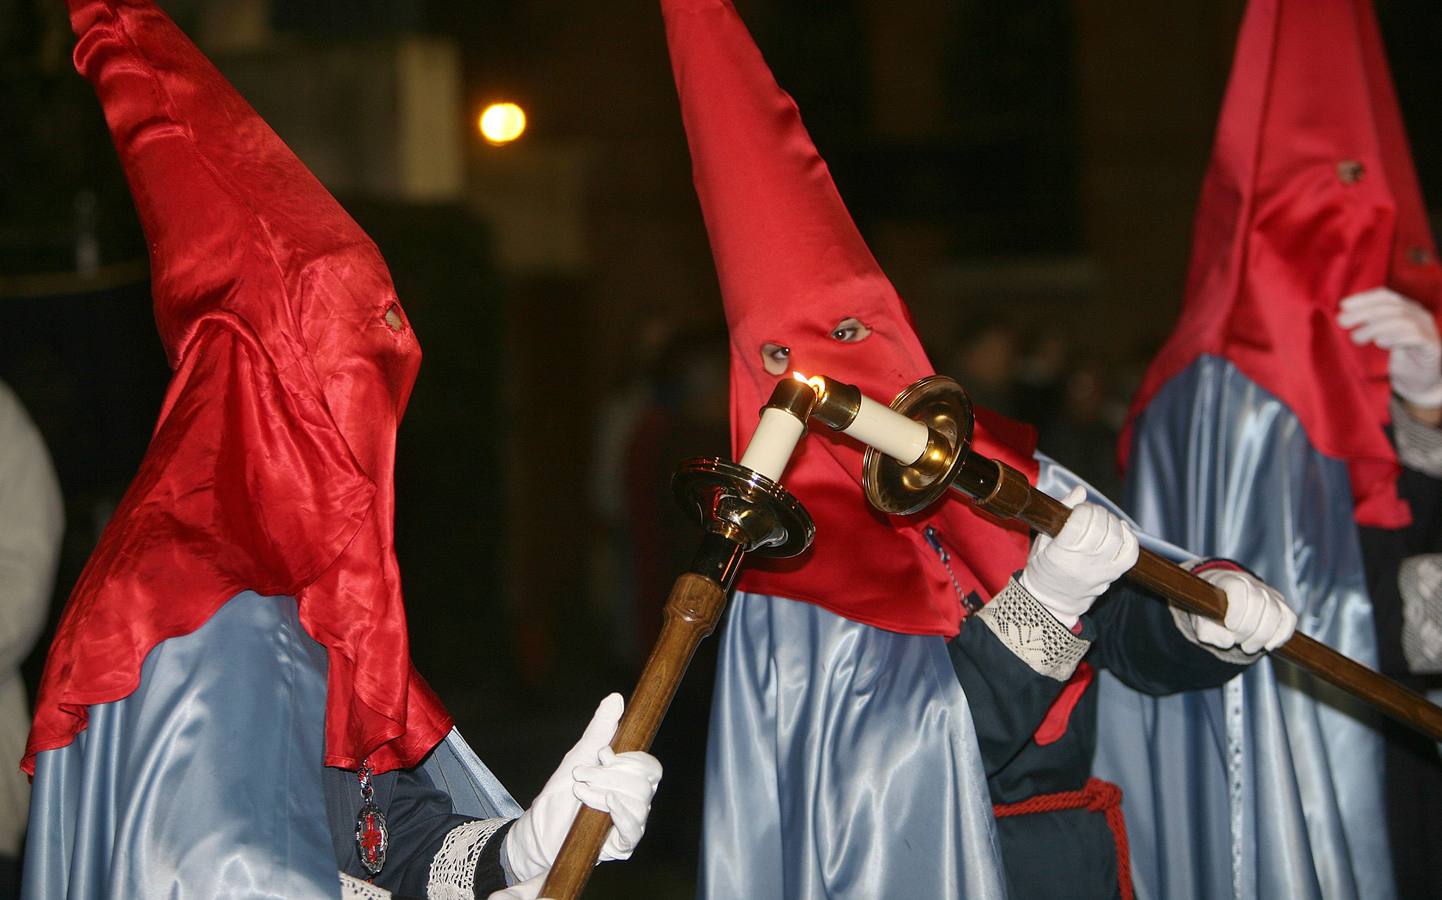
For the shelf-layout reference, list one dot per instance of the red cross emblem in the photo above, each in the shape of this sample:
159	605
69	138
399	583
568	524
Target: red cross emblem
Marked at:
371	837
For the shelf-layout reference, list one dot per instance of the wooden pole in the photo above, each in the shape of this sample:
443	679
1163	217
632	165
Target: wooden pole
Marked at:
691	613
1009	495
744	512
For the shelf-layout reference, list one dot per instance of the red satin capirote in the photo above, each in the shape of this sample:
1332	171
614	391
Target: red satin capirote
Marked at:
271	464
1310	197
792	265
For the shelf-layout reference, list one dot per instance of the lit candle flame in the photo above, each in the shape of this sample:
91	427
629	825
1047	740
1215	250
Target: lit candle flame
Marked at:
817	383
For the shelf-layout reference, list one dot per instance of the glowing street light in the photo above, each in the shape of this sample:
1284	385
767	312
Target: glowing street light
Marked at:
501	123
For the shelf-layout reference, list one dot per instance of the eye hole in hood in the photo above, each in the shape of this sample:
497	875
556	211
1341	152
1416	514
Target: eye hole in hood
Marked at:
775	358
850	330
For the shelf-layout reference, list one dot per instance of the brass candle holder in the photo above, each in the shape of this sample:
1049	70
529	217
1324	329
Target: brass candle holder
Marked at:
742	512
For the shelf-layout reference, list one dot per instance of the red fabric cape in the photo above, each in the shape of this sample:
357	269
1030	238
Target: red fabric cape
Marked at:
1289	224
792	265
271	464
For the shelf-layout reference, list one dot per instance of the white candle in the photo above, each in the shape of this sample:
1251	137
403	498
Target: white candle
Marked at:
773	443
889	431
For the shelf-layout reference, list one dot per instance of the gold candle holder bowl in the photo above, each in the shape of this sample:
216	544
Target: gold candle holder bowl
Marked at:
943	407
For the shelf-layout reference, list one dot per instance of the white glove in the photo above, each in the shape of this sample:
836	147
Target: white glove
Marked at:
1067	573
621	784
529	889
1257	617
1408	330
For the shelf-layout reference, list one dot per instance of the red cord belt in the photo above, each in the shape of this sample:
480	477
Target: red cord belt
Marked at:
1096	796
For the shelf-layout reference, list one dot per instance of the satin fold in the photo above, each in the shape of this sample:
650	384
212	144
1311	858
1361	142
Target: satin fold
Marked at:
842	764
1272	785
206	780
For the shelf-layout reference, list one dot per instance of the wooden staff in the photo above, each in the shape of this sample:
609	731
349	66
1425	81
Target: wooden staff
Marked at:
940	407
744	511
1011	496
691	614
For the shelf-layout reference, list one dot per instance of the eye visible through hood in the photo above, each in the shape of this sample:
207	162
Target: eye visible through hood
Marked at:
850	330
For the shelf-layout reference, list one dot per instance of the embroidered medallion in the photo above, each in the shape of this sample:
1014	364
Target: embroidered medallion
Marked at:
371	833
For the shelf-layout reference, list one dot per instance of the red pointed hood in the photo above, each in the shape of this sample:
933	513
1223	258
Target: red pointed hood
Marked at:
271	465
792	266
1310	196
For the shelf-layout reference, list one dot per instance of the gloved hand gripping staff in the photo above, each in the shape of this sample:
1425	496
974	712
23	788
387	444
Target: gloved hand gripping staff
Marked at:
921	446
744	509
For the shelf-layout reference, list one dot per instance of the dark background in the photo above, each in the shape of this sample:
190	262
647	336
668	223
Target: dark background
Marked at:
1026	172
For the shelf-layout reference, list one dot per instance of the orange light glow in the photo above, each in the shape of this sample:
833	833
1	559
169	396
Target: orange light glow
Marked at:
817	382
501	123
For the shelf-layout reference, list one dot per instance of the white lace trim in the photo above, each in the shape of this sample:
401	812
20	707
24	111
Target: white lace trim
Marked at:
352	888
1419	446
453	871
1419	580
1030	631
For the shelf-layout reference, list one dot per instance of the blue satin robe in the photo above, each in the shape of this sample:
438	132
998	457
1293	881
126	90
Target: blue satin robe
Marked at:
843	763
1272	785
206	781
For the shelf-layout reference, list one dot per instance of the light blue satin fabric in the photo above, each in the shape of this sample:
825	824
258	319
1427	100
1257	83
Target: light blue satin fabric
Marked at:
474	790
1272	785
842	764
206	781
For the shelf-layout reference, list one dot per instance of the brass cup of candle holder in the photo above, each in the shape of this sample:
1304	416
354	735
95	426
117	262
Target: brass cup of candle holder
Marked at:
798	398
744	507
742	512
943	407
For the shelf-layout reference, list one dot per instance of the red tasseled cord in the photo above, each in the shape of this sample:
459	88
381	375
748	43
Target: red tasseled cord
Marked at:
1097	796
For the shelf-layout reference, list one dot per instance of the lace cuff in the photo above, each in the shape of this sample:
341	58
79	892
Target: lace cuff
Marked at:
1419	580
352	888
1419	446
453	870
1030	631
